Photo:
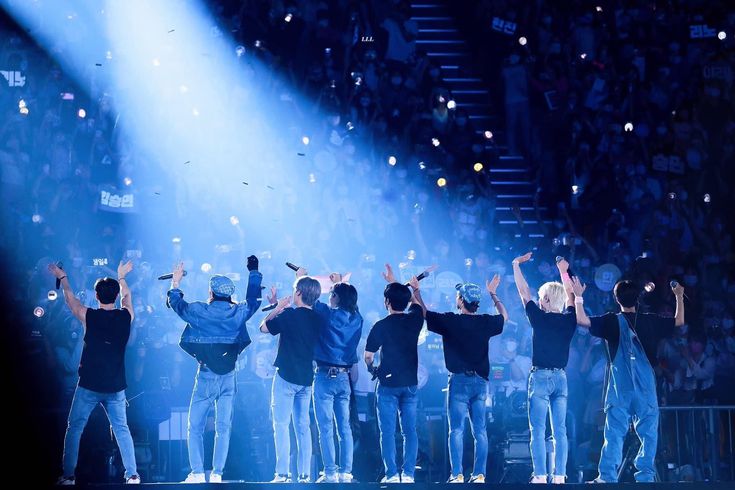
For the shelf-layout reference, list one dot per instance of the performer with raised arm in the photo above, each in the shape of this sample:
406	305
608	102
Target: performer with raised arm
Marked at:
299	330
396	337
215	334
465	337
102	367
553	324
632	338
335	354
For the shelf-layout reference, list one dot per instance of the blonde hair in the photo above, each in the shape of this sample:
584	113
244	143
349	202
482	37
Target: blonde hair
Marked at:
554	292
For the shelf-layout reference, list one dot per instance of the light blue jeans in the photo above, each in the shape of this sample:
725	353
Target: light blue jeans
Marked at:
332	401
392	402
81	407
290	402
467	394
547	390
218	391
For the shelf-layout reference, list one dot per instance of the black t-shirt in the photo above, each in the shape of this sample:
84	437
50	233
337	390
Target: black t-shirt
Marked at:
651	328
465	339
102	368
398	336
218	358
552	334
299	329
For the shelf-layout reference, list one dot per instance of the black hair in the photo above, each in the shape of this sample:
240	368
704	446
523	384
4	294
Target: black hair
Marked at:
107	290
471	307
216	297
398	295
626	293
346	296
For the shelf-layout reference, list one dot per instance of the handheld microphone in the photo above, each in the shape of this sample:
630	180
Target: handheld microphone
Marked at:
60	265
292	266
673	284
559	258
270	307
170	275
650	286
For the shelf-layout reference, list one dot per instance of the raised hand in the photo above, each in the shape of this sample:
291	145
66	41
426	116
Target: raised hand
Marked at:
388	274
178	273
492	284
56	271
284	302
523	258
301	272
124	268
562	265
678	290
335	277
273	296
414	283
577	287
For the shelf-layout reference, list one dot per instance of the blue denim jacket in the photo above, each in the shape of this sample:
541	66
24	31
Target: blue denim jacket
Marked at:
218	322
341	331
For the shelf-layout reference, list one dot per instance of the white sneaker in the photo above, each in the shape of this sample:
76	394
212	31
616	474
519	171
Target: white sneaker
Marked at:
281	479
66	480
393	479
558	479
597	480
456	479
344	477
133	480
538	479
328	479
215	478
406	479
195	478
477	479
304	479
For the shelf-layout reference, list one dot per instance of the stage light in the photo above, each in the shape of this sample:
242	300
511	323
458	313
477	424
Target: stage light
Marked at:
52	295
468	262
305	140
672	195
441	182
422	166
21	104
176	240
411	255
575	189
583	56
127	181
478	167
206	267
707	198
183	89
350	126
108	55
240	50
722	35
650	287
24	111
195	112
441	99
435	141
392	161
156	62
522	41
38	312
488	135
451	104
312	178
288	17
234	220
81	113
258	43
598	8
628	127
36	218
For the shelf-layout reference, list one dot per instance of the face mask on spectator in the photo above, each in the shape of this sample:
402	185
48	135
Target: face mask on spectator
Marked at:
690	280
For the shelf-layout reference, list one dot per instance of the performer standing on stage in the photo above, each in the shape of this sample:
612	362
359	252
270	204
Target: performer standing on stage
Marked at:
632	338
215	334
299	329
335	354
102	367
396	336
465	337
553	323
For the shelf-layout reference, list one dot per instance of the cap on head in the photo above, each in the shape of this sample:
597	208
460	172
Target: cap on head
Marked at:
470	293
221	286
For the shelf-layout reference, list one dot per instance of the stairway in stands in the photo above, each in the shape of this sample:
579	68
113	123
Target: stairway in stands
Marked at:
509	176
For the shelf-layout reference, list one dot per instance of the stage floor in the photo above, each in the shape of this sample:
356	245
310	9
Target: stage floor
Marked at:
238	485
